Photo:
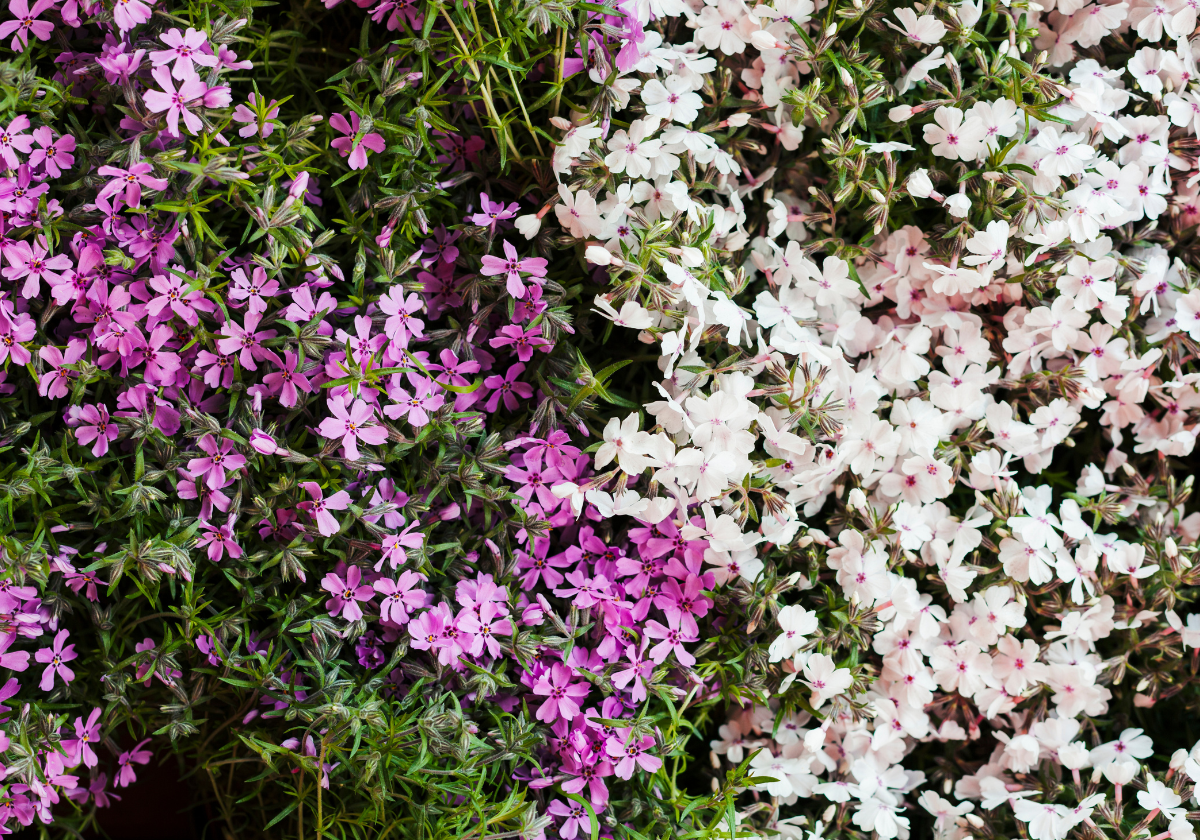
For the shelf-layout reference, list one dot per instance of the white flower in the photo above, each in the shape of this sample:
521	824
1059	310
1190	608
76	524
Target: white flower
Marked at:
1066	154
721	25
578	213
796	623
989	247
620	443
951	136
631	151
925	29
672	100
825	679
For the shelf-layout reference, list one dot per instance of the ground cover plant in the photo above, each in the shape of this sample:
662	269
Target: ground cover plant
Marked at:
553	419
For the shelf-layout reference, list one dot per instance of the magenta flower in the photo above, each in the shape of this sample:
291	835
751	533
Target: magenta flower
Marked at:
17	660
352	421
185	48
255	290
217	368
684	602
394	545
130	13
672	640
507	388
176	102
349	145
258	119
55	659
400	597
512	268
80	748
416	405
562	696
288	381
131	180
54	155
118	65
491	621
492	212
219	457
219	541
12	333
54	383
574	816
179	297
126	775
161	365
319	507
401	324
264	444
13	140
26	23
632	753
245	342
638	673
363	346
346	594
523	342
32	263
95	425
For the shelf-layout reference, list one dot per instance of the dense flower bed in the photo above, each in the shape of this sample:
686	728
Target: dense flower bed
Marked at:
670	418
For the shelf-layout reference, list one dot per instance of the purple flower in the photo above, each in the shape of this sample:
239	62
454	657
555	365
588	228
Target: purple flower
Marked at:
562	696
219	458
638	672
288	381
416	405
126	775
32	263
259	119
95	425
245	341
523	342
346	593
131	180
186	48
672	640
86	734
574	817
13	139
401	598
348	145
26	23
632	753
512	269
55	659
219	540
130	13
12	333
492	212
352	421
255	290
319	507
54	155
507	388
176	102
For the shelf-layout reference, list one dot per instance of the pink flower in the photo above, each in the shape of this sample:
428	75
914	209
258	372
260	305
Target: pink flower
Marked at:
672	640
185	48
54	155
507	388
523	342
26	22
13	140
218	540
632	753
220	457
416	405
175	101
492	212
161	365
17	660
394	545
32	263
512	268
352	422
79	748
95	425
562	695
258	119
638	673
319	507
54	383
131	180
264	444
55	659
245	342
12	333
348	145
125	761
346	594
400	323
129	13
288	380
255	290
400	598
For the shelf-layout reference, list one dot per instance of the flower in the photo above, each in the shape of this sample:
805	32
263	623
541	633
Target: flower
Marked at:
352	145
176	102
319	507
96	428
219	541
219	457
55	659
353	420
346	593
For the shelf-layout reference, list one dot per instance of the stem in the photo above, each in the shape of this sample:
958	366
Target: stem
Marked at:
320	772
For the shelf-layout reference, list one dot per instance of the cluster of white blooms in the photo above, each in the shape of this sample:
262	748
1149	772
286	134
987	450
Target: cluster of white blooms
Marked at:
926	390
